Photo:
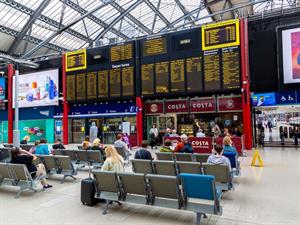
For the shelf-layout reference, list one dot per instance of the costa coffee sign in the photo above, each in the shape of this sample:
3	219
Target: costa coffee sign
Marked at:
178	106
154	108
202	105
201	145
227	104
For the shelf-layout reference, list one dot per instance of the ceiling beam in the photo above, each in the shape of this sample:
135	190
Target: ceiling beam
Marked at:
155	16
157	12
184	10
27	26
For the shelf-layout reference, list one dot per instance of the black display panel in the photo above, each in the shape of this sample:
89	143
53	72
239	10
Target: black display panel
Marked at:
115	82
121	52
231	68
186	41
71	87
177	76
147	74
91	85
194	74
155	46
162	77
127	81
103	84
81	86
212	80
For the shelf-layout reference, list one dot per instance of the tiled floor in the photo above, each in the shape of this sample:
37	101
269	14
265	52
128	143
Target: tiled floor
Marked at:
262	196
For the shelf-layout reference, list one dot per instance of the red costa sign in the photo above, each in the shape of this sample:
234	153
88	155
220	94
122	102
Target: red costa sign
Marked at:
154	108
201	145
178	106
226	104
203	105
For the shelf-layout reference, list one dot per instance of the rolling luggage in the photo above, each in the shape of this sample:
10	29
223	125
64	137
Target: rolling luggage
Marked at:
88	192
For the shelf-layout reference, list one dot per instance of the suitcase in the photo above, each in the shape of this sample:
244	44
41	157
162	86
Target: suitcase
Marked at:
88	192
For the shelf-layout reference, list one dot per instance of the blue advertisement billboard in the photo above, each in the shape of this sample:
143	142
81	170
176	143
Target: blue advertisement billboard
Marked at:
2	92
264	99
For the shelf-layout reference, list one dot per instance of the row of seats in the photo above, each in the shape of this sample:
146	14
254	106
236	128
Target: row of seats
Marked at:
4	154
221	173
18	175
160	190
23	146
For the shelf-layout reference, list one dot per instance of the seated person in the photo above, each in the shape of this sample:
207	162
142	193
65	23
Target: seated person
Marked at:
25	140
114	162
86	145
42	148
167	133
97	145
174	134
218	157
19	156
33	148
143	153
86	140
119	143
167	146
227	146
184	145
58	145
200	133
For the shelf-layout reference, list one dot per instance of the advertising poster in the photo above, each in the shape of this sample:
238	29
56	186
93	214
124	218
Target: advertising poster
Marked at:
2	92
291	55
264	99
37	89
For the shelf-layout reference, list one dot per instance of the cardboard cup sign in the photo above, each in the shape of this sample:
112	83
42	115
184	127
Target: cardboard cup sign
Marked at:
154	108
201	145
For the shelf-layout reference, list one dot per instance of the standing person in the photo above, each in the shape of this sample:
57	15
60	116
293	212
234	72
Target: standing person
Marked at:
216	130
218	157
114	162
153	134
237	133
125	138
19	156
42	148
93	132
143	153
184	145
58	145
200	133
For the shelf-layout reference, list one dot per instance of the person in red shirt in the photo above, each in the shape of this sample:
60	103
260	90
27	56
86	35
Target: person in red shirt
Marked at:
184	145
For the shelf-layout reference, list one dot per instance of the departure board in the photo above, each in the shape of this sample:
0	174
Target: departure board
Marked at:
76	60
71	87
212	80
220	35
177	76
156	46
115	82
103	84
121	52
147	74
194	74
162	77
127	81
231	68
92	85
81	86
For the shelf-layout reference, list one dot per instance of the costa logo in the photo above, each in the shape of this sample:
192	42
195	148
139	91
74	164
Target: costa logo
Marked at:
200	143
177	106
203	105
153	107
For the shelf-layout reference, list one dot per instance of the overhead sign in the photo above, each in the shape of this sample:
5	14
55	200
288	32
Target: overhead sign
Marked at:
203	105
154	108
76	60
230	104
263	99
177	106
220	35
286	97
2	92
37	89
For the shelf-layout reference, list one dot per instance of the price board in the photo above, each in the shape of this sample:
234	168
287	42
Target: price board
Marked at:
115	82
212	81
71	88
147	74
103	84
91	85
127	81
220	35
81	86
194	74
177	75
155	46
76	60
121	52
162	77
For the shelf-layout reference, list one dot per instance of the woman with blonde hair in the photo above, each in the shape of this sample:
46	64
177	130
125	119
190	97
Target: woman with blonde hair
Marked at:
227	146
114	162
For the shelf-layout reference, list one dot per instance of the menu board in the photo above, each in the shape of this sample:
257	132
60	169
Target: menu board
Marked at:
103	84
156	46
212	80
115	82
231	68
177	76
162	77
76	60
121	52
127	81
220	35
92	85
81	86
147	74
194	74
70	87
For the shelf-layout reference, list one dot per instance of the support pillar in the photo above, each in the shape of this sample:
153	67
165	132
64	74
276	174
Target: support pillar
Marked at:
65	103
10	72
139	120
247	125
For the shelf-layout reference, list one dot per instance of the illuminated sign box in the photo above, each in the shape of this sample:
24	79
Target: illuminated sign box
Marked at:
220	35
76	60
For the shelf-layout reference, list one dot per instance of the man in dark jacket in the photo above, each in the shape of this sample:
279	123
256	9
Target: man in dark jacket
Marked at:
143	153
58	145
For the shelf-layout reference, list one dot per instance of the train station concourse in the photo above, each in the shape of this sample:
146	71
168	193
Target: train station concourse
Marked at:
150	112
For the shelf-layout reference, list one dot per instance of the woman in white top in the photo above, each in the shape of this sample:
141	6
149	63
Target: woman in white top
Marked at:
153	134
114	162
